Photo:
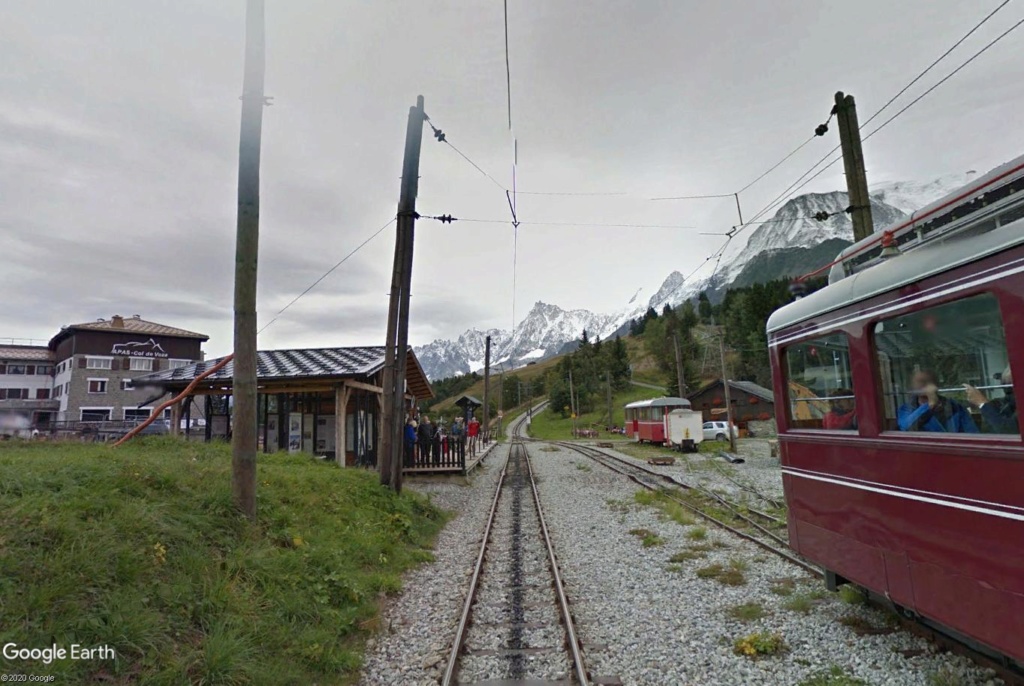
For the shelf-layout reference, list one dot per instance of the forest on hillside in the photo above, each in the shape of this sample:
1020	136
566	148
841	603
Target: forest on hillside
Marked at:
696	327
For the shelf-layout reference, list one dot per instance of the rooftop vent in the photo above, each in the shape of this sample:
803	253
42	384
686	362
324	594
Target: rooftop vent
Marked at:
136	316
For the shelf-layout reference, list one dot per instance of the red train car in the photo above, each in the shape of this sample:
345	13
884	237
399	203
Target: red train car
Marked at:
901	449
647	420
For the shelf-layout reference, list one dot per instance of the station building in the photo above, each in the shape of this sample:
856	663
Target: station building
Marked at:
26	387
300	392
94	365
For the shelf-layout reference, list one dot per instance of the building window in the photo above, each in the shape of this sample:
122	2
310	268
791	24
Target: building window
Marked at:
142	364
174	364
820	384
13	394
57	391
95	414
17	369
98	362
946	369
136	415
42	394
126	385
97	385
44	370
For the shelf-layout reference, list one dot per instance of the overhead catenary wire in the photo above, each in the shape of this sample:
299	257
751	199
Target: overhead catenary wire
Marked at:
937	60
326	274
946	77
575	223
803	180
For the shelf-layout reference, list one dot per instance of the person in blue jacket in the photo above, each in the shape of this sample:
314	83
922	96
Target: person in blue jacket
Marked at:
929	411
410	441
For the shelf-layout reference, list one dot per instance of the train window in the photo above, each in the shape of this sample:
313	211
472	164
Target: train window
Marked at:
946	369
820	384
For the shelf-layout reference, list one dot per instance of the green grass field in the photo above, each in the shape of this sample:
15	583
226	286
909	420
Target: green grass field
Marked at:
139	548
549	425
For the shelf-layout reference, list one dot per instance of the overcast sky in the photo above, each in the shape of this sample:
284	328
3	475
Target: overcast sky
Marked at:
119	138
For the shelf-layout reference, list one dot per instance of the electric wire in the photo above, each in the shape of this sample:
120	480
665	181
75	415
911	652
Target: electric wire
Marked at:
803	180
939	59
326	274
946	77
580	223
508	70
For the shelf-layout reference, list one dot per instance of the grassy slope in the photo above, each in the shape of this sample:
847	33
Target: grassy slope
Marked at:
525	374
550	425
139	548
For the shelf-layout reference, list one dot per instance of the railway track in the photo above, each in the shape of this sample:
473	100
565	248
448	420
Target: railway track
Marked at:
516	626
753	531
656	481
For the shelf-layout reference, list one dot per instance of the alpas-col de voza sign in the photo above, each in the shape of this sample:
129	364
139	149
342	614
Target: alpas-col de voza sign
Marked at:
148	348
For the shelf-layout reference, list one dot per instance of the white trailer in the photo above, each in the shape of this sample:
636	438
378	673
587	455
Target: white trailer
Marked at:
685	429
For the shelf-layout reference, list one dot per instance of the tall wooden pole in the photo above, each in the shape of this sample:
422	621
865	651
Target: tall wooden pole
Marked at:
572	403
680	371
396	349
487	384
244	413
853	161
608	383
728	396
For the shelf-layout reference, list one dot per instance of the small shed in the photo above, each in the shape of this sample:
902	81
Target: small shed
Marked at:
469	404
750	402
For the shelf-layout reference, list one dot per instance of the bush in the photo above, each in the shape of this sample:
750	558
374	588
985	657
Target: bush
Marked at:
759	644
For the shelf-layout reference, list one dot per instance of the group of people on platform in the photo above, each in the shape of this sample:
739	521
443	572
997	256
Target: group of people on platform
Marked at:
431	443
928	410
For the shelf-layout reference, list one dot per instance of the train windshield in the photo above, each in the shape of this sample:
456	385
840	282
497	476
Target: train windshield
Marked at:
820	384
946	369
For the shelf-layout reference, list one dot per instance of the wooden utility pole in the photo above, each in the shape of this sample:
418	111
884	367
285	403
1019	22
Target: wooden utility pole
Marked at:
728	397
395	350
487	383
572	403
247	238
680	372
853	161
608	383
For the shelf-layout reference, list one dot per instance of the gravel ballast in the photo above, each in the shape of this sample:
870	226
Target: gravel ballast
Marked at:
650	620
418	626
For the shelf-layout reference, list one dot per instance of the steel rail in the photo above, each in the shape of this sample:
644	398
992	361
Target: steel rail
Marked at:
460	632
579	667
601	458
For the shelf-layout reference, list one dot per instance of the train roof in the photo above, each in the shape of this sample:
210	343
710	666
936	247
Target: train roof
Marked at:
660	402
928	260
993	198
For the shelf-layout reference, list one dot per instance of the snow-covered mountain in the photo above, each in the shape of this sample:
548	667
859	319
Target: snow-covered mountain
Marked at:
543	333
791	242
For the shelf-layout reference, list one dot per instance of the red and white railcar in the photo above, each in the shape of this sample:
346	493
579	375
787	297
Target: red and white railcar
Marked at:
647	420
897	478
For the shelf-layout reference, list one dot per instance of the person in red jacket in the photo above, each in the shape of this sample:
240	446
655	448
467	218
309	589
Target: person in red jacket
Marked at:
473	430
843	414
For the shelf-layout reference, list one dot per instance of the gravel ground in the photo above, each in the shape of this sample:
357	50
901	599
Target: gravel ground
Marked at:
650	620
759	472
419	625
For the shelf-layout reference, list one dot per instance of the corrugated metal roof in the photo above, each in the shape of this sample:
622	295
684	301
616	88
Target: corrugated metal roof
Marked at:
743	386
660	402
753	389
25	353
310	363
